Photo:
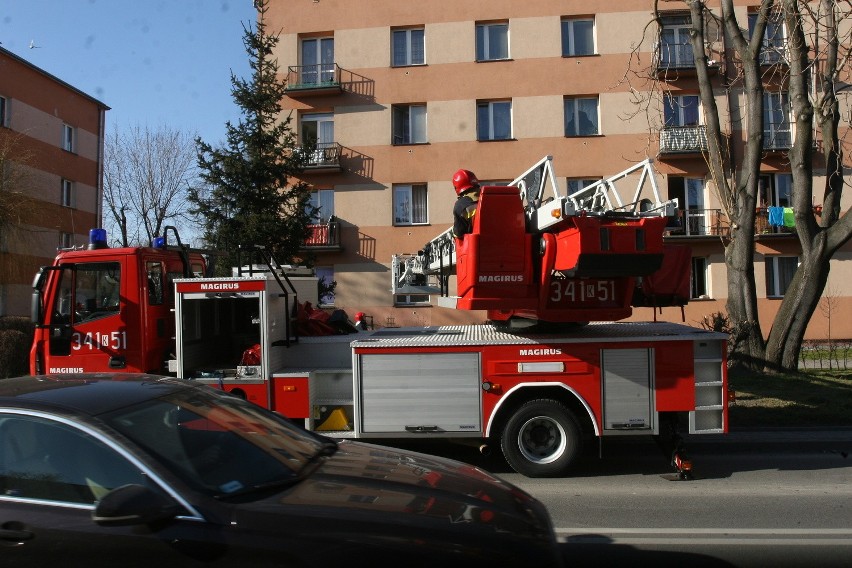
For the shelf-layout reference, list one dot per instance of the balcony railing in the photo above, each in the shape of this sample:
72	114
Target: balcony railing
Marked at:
777	140
675	56
683	139
699	223
323	236
322	156
322	78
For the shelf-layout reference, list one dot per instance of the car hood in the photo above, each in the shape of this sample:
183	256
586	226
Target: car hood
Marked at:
376	494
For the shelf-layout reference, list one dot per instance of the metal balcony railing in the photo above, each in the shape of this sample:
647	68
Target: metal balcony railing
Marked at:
683	139
675	56
777	140
313	77
323	235
698	223
322	155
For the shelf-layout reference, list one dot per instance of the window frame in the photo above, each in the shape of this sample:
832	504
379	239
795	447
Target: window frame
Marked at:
409	189
409	47
698	278
676	107
321	202
775	279
575	113
322	272
775	104
400	300
679	25
490	106
773	48
324	72
569	35
409	124
583	182
68	137
483	41
67	197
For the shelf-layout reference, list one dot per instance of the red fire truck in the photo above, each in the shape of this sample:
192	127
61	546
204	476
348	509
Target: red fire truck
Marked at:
536	391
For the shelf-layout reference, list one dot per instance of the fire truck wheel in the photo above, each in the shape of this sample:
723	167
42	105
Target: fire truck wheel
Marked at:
541	439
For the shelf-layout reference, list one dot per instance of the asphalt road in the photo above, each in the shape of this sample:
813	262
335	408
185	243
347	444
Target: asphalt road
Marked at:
758	498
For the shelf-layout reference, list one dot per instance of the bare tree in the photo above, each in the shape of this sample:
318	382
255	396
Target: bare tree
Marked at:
17	206
808	68
146	176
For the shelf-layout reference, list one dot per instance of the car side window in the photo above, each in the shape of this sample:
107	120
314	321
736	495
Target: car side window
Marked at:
44	459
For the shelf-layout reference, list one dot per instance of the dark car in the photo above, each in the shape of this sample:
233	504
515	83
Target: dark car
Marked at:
127	470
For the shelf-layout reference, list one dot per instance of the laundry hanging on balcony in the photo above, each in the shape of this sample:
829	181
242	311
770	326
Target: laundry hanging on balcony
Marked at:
781	217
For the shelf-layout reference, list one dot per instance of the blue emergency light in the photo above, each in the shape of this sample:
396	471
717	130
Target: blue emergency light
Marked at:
159	242
97	239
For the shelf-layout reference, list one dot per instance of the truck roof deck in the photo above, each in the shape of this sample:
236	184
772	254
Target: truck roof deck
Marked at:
486	334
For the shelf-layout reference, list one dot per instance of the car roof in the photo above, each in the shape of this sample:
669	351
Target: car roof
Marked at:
87	393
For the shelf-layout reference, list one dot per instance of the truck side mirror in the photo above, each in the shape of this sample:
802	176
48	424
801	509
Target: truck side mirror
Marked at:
35	307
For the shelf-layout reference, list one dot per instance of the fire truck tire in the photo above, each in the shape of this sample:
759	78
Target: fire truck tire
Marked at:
541	439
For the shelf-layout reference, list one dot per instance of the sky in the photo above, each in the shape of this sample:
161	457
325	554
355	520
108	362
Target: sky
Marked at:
153	62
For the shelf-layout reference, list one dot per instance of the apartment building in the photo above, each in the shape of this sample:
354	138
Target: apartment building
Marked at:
52	138
393	97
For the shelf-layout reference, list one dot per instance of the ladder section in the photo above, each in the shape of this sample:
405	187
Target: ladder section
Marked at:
709	415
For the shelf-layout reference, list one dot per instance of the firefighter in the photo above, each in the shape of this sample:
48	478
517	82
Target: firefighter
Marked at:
360	324
467	190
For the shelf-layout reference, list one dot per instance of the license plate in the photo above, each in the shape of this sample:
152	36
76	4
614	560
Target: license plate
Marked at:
585	291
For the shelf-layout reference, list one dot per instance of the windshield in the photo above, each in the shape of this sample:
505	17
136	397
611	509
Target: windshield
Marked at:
219	444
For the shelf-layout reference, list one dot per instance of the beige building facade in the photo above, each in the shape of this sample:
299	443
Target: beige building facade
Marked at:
394	97
52	136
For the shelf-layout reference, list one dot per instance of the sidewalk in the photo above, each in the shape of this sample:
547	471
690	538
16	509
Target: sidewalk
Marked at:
774	436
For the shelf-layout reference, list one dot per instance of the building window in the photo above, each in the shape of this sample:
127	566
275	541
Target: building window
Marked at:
777	133
675	49
410	204
779	274
776	190
411	299
773	47
67	198
3	106
698	278
68	137
318	61
492	41
409	124
66	240
317	132
408	47
494	120
680	110
321	205
578	36
575	185
325	281
581	116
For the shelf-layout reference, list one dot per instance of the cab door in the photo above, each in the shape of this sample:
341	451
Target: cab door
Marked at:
86	324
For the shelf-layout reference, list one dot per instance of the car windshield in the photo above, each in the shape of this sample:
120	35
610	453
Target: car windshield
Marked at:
219	444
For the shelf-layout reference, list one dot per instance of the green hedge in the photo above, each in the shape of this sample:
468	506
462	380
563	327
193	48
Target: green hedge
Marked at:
16	336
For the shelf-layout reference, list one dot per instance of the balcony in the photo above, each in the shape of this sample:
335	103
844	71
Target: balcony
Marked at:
675	61
313	80
322	157
683	140
698	223
777	140
323	237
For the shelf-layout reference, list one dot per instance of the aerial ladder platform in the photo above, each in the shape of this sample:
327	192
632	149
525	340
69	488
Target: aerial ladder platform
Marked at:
538	254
